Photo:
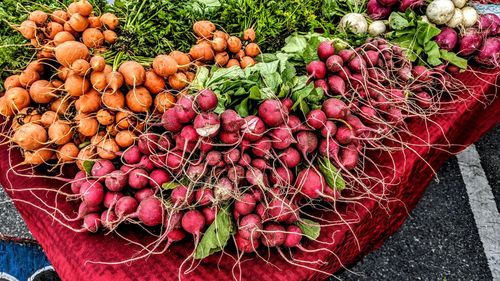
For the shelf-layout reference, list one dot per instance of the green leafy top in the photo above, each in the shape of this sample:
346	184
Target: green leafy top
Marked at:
310	229
216	236
332	176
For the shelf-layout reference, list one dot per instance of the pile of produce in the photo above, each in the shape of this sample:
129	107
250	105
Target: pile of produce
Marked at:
221	138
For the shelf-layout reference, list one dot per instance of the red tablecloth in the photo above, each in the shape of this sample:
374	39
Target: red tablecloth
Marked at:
69	251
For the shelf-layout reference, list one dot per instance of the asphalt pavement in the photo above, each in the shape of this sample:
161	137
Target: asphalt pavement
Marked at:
439	241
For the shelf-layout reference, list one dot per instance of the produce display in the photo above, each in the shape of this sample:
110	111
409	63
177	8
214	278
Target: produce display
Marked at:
224	133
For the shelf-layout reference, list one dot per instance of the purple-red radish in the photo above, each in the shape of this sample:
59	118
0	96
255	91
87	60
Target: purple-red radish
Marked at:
184	110
290	157
148	143
279	210
410	4
229	137
295	124
126	205
92	193
204	196
83	210
109	219
170	122
224	189
262	147
489	54
193	222
369	114
232	156
335	108
287	104
141	194
77	182
316	119
181	195
307	142
244	245
255	176
344	135
259	164
253	129
174	160
371	57
235	173
213	158
138	178
388	3
132	155
126	169
321	83
207	124
346	55
92	222
260	210
245	204
165	142
293	236
421	73
424	100
329	129
336	85
176	235
378	11
273	235
101	169
250	226
349	157
329	148
196	171
470	42
151	211
282	137
231	121
146	163
334	63
357	64
395	116
110	198
272	113
281	176
310	182
447	39
206	100
316	69
158	177
325	50
245	160
206	145
209	213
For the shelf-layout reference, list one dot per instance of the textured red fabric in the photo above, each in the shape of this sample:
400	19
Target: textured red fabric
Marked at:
71	252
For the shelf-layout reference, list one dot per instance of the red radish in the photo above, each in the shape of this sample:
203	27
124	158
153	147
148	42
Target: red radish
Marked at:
329	148
344	73
371	57
255	177
424	100
260	210
395	116
144	193
489	54
288	104
281	176
174	160
170	122
282	137
132	155
209	214
272	113
262	147
388	3
329	129
148	143
316	119
186	141
206	100
321	83
158	177
151	211
290	157
447	39
259	164
334	63
146	163
325	50
193	222
293	236
138	178
421	73
126	205
165	142
77	182
176	235
357	64
92	193
111	198
232	156
273	235
213	158
307	142
245	160
349	157
235	173
102	168
224	189
279	210
207	124
246	246
109	219
184	110
470	42
410	4
295	124
196	171
229	138
378	11
206	145
344	134
246	204
250	227
83	210
346	55
231	121
92	222
116	181
316	69
310	183
254	128
204	196
181	195
335	108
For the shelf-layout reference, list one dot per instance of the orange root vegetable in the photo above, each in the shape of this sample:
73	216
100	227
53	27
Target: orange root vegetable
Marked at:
249	35
97	138
80	67
221	34
12	82
17	99
62	37
48	118
36	66
153	82
190	76
98	80
38	17
164	101
87	126
110	21
67	52
252	50
89	102
219	44
76	85
94	22
108	149
52	29
93	38
78	22
139	100
204	29
86	154
233	62
30	115
165	65
114	80
60	132
84	8
5	109
68	152
239	55
63	73
42	91
123	120
67	27
97	63
113	100
125	138
28	77
247	61
104	117
202	51
182	59
30	136
72	9
178	81
112	130
57	84
133	73
221	59
110	36
60	106
38	157
59	16
107	69
234	44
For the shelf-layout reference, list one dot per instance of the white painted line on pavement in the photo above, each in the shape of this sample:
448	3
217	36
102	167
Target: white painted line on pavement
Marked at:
483	206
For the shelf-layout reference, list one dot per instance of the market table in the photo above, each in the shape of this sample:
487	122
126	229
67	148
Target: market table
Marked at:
71	253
